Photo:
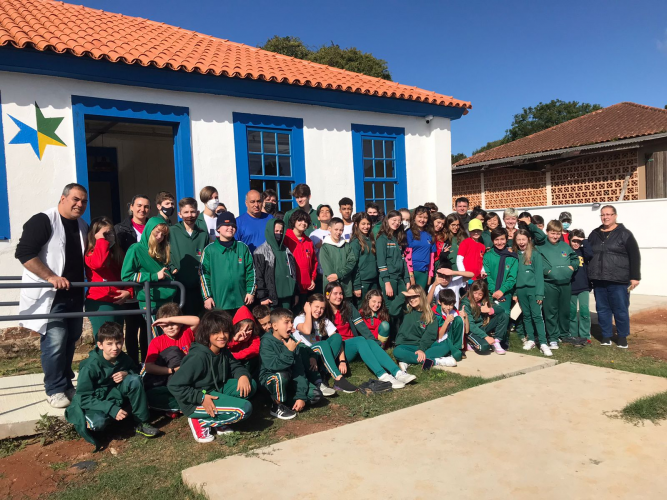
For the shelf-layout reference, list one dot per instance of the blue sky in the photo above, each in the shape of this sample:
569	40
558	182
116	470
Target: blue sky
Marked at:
500	55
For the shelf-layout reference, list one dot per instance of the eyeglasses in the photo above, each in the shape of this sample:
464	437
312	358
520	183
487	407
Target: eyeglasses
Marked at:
578	242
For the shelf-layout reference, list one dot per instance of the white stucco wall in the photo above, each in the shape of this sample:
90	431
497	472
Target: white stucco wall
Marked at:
35	185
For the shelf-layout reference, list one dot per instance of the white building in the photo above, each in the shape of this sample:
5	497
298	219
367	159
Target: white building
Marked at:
125	105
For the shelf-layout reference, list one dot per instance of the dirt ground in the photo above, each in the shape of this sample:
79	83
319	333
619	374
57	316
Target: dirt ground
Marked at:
648	333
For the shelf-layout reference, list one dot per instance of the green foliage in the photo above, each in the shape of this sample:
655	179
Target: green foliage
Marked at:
458	157
546	115
653	408
491	145
10	446
54	429
350	59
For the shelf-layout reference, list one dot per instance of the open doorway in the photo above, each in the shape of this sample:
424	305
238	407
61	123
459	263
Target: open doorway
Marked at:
124	159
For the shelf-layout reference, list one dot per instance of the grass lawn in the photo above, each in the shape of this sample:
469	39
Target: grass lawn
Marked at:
653	408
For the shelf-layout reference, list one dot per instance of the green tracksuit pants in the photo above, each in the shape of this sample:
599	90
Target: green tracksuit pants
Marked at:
557	310
371	354
407	353
496	327
132	391
230	406
97	321
283	389
394	321
328	350
421	279
531	313
159	398
580	324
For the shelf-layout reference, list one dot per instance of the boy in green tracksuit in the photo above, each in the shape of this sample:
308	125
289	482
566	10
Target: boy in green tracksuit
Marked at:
501	267
487	325
337	259
560	261
283	372
450	324
227	272
365	273
187	242
301	194
108	383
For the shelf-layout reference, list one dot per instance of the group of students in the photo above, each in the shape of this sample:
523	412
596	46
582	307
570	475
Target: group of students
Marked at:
324	291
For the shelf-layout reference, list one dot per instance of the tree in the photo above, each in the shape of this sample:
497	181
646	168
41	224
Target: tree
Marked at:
491	145
350	59
458	157
546	115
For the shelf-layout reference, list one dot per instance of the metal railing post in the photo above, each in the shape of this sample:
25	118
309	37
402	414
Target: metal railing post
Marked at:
149	316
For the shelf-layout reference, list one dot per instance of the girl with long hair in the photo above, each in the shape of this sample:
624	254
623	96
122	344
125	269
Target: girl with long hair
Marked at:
488	325
365	273
501	265
417	340
358	341
420	252
491	222
103	259
455	234
376	316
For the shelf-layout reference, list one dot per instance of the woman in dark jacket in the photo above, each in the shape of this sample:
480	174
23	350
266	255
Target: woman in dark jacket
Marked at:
614	271
128	233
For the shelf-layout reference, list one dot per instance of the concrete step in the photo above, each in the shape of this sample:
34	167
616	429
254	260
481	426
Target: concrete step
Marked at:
494	365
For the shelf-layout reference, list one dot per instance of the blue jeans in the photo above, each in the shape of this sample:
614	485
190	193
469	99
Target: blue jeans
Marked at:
612	299
57	346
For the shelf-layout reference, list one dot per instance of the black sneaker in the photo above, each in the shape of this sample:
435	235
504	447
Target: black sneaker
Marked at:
570	340
344	385
146	430
605	341
427	364
374	387
282	412
622	342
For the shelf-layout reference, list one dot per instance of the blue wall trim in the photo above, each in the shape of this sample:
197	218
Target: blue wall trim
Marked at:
360	131
84	68
177	117
5	229
244	120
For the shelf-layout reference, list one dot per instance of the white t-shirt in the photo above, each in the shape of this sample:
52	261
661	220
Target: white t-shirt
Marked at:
455	284
317	237
210	225
315	336
347	232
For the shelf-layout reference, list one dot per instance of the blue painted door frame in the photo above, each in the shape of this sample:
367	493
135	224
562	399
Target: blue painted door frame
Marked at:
135	112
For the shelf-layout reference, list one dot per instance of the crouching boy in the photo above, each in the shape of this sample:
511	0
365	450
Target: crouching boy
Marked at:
290	383
211	387
107	385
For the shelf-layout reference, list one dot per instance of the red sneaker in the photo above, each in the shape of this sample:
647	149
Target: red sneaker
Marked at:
201	434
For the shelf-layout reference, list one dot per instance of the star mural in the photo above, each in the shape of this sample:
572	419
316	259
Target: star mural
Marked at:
44	135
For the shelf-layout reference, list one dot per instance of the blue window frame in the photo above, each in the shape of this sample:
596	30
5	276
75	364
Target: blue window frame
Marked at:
269	155
379	166
5	230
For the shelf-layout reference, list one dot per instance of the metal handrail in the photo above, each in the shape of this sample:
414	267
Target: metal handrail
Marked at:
147	311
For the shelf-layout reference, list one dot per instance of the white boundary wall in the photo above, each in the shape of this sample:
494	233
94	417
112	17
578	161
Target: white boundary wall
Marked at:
642	217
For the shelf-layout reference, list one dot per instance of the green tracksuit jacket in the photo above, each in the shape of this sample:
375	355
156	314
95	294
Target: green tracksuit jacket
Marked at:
202	370
539	238
530	275
96	391
186	250
337	258
416	333
275	357
557	259
390	261
227	274
491	263
366	267
476	324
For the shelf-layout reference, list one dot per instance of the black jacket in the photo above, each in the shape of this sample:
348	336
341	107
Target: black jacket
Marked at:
126	234
616	256
580	281
264	261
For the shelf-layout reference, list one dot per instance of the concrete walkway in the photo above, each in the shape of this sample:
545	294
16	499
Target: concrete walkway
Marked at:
542	435
22	403
494	365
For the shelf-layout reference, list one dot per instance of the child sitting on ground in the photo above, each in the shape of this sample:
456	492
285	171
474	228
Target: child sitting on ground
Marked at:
165	354
211	387
450	323
262	315
244	345
108	382
376	316
487	325
290	383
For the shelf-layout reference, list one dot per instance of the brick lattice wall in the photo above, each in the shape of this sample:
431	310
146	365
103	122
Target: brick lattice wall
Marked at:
516	188
467	185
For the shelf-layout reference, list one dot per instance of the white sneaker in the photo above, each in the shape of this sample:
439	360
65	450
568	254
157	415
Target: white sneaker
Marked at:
395	384
405	377
403	366
553	345
326	390
446	361
528	345
545	350
222	429
58	400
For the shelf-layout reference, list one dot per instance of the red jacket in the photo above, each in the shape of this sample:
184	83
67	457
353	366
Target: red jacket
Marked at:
373	324
100	266
249	348
306	259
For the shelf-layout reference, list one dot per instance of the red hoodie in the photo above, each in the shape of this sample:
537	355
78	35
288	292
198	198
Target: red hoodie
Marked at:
100	266
306	259
249	348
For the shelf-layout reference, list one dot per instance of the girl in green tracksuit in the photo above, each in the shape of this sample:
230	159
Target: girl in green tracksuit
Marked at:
417	341
491	222
501	266
393	271
365	273
530	290
150	260
487	325
336	258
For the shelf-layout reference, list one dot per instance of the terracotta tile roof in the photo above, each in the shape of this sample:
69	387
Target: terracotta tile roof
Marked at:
620	121
61	27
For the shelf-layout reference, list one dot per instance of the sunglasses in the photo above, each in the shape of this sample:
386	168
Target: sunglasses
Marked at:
578	242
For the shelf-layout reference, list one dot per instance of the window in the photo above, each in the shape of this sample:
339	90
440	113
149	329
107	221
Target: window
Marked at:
269	155
379	161
5	232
